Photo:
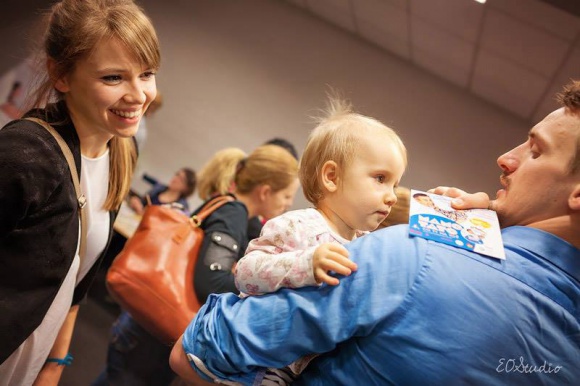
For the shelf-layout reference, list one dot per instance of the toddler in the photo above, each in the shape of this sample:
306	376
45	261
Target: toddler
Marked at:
349	170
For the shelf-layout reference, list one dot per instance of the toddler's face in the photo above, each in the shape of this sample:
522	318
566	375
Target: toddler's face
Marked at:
366	190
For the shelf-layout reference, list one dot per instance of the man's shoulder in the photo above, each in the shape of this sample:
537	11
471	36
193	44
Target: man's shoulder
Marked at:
393	247
393	237
388	247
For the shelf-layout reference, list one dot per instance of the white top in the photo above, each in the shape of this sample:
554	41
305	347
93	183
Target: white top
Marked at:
95	186
22	367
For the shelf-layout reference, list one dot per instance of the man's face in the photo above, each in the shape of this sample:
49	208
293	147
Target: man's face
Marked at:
536	175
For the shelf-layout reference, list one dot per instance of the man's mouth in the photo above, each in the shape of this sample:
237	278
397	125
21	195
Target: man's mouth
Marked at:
504	181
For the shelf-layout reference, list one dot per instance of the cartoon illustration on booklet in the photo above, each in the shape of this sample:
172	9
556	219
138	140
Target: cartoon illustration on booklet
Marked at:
432	217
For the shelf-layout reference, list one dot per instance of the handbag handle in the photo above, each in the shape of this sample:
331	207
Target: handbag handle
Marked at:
81	199
209	208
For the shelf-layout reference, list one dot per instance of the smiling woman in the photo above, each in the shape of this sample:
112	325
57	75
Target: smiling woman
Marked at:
106	95
101	57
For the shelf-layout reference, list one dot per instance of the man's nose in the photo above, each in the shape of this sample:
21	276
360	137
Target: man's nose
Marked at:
509	162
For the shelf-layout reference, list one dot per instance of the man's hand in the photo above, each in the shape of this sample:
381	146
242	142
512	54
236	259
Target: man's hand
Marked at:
464	200
331	257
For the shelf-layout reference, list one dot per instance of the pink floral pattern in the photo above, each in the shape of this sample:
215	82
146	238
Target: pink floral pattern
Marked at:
282	256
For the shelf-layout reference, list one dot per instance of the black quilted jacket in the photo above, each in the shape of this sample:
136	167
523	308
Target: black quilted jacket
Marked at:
38	223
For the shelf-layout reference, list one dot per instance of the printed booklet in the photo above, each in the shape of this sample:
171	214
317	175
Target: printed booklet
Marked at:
432	217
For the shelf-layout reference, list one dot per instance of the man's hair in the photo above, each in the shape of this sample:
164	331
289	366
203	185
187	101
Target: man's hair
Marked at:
336	138
570	99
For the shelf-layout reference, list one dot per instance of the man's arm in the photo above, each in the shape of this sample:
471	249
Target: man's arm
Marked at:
180	364
234	339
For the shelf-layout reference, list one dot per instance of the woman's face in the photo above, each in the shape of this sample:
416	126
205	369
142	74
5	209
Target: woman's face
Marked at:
107	92
276	203
179	182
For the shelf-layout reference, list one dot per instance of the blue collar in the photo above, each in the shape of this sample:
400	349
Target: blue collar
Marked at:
552	248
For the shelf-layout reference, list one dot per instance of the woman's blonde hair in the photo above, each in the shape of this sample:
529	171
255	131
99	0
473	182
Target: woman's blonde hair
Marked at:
217	175
267	165
75	27
336	138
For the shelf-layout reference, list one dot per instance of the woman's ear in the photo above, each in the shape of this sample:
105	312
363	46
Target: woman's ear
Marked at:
329	176
264	192
60	84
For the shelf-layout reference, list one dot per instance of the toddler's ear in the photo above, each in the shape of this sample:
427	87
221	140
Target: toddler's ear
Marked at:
329	176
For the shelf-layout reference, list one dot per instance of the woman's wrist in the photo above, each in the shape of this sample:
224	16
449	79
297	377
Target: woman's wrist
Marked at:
66	361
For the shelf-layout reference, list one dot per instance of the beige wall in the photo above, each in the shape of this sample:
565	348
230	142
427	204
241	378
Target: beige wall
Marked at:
236	73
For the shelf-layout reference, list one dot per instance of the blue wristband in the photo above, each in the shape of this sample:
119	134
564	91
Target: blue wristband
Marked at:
66	361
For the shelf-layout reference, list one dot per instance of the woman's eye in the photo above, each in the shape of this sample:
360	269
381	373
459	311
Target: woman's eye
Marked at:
112	78
380	178
148	74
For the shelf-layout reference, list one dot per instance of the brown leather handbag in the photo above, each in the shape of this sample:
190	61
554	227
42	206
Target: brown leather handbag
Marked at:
152	277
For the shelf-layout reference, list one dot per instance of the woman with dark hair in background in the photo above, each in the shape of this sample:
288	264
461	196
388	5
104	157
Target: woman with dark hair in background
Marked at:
180	187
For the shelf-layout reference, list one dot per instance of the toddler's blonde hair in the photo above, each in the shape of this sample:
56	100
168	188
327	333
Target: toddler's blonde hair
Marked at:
336	138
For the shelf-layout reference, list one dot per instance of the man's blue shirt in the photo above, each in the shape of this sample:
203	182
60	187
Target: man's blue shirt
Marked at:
415	313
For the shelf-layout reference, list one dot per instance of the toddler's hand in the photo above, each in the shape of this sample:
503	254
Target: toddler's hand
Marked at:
331	257
464	200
